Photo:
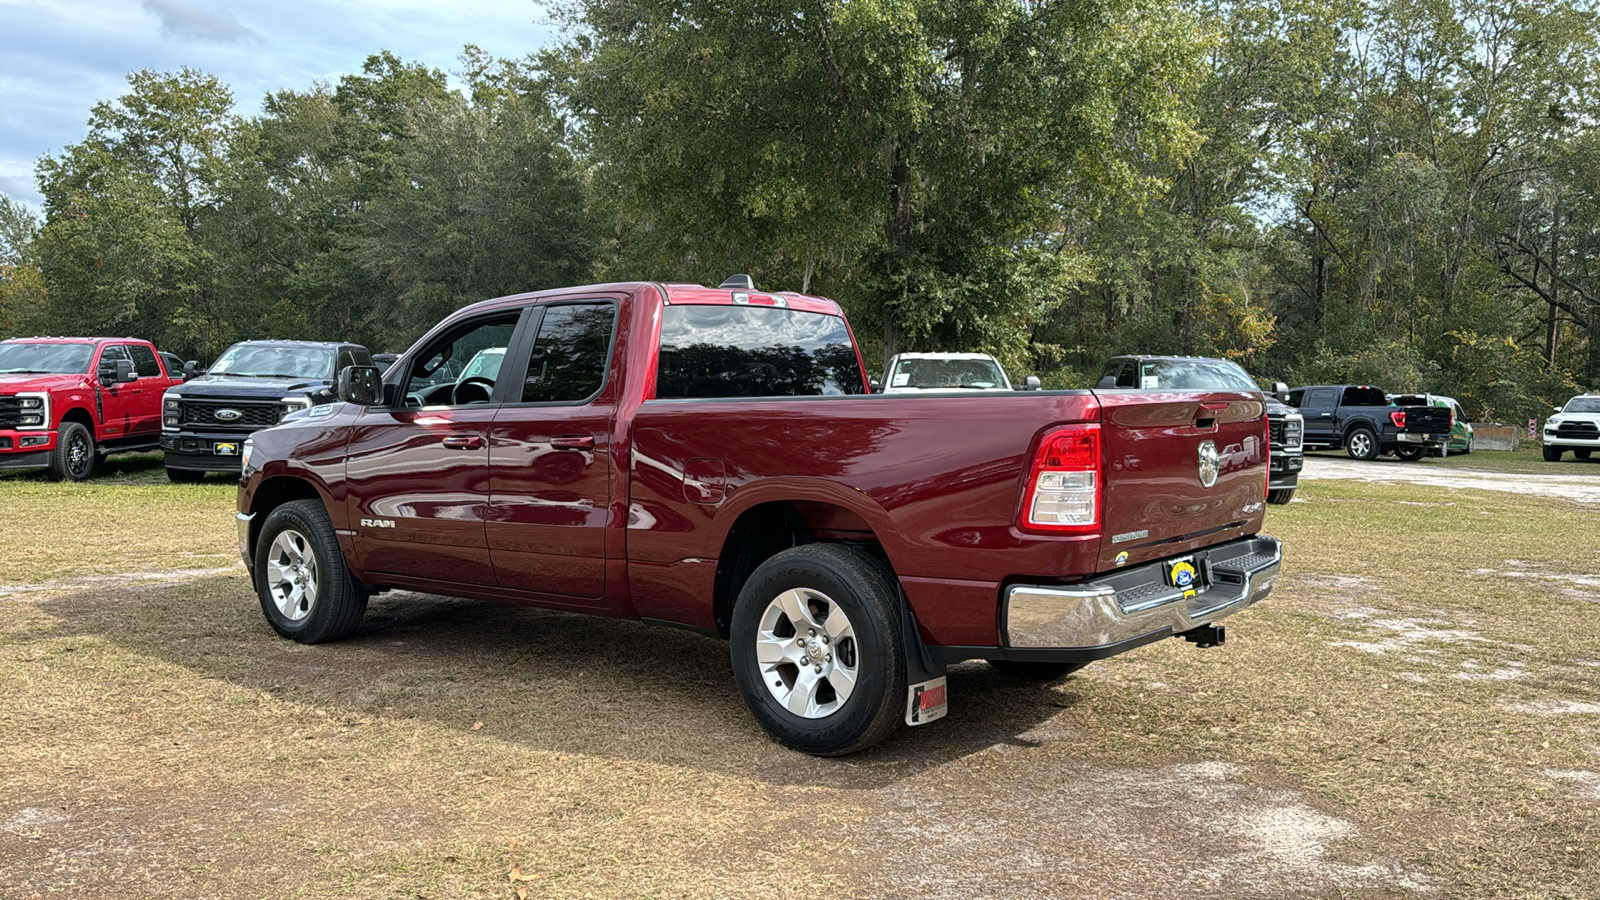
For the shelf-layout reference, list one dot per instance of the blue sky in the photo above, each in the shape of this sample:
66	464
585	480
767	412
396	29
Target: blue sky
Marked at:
60	57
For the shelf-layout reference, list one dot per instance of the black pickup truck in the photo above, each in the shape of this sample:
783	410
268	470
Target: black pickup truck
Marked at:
1361	419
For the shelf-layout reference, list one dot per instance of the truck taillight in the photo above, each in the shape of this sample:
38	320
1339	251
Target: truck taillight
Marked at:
1063	492
1398	417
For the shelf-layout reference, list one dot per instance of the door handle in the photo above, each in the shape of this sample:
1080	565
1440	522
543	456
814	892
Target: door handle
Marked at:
573	442
463	442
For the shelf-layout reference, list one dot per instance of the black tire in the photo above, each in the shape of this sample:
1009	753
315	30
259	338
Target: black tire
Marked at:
1280	496
1362	444
185	476
1411	454
1580	454
1552	454
74	457
306	591
858	700
1035	671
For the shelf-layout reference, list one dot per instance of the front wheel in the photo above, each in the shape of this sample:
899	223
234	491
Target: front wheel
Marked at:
1362	444
1280	496
1581	454
817	650
74	456
1411	454
1552	454
185	476
306	591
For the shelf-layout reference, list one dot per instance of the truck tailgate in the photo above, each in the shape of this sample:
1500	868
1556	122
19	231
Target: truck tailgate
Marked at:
1426	420
1161	449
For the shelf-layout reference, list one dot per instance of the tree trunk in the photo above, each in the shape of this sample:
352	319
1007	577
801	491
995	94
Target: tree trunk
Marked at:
1552	324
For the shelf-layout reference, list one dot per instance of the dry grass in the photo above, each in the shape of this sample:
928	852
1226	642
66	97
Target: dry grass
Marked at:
1382	726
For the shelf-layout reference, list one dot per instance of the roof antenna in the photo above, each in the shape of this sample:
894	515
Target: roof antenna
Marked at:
739	283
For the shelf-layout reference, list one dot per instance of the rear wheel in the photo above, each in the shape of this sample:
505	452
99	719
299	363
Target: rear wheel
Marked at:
306	591
1362	444
817	649
1281	496
184	476
74	456
1552	454
1411	454
1036	671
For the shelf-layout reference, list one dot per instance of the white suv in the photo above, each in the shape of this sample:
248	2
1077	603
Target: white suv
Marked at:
1574	427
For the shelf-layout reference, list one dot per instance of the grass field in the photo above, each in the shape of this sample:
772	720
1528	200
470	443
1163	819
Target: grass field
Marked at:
1414	712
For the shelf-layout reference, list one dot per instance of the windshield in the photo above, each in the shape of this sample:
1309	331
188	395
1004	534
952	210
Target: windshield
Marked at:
934	374
267	361
1583	405
754	351
1193	375
485	365
20	358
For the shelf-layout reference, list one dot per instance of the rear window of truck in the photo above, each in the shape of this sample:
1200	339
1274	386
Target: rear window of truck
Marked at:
754	351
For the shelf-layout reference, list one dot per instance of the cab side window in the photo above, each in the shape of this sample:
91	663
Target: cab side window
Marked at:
461	367
144	361
568	363
1129	376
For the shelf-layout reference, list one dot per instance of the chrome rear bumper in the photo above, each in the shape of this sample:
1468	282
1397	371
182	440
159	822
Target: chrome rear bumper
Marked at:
1126	605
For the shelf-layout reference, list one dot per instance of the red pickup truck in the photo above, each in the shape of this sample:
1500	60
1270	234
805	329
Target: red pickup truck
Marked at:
66	402
712	459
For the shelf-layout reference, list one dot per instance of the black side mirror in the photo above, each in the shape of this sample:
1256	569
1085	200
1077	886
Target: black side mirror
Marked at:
1032	383
190	369
116	371
1106	382
360	385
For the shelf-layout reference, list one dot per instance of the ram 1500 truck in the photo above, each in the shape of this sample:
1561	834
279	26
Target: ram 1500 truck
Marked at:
67	402
250	386
711	459
1361	419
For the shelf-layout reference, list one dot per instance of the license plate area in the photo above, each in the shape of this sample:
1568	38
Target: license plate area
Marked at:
1182	573
226	448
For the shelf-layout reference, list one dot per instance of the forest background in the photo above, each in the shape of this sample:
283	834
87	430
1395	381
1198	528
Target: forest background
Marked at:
1397	192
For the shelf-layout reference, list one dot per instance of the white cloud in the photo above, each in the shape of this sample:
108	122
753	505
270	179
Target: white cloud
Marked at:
188	21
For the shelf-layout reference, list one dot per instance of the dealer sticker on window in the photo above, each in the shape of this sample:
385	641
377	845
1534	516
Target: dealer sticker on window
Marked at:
926	702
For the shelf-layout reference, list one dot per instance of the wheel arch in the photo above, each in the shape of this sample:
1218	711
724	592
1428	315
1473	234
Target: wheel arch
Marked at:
82	416
274	492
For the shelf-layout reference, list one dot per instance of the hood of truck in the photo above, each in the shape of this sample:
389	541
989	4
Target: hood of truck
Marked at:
1159	450
14	383
235	387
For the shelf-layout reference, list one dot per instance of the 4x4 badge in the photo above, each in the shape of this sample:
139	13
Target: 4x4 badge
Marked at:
1210	464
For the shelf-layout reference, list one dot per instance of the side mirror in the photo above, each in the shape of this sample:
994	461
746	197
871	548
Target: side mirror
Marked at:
360	385
875	385
190	369
1106	382
1556	408
116	371
1031	383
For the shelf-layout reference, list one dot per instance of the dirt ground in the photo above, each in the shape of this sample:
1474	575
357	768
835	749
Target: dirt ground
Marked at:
1360	735
1559	484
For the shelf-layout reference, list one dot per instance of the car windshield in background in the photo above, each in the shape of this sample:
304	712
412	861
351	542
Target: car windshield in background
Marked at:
256	361
754	351
1575	405
952	374
22	358
1193	375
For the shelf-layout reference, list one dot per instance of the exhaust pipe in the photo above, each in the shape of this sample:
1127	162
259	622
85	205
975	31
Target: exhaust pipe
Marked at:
1206	635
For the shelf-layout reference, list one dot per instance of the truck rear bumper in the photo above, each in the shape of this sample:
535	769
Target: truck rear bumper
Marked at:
1128	608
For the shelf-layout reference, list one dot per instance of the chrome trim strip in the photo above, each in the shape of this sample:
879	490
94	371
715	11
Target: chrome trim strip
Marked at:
1135	603
242	521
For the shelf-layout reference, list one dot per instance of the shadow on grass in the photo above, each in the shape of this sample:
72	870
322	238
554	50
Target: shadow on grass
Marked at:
120	468
554	681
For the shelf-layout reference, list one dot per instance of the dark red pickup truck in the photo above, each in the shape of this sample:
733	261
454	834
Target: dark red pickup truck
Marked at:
711	459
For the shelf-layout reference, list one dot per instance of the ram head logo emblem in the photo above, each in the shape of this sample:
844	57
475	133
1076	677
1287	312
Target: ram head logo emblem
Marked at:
1210	464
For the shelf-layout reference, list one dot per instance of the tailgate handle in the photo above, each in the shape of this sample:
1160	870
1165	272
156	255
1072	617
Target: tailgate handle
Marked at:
463	442
1207	418
573	442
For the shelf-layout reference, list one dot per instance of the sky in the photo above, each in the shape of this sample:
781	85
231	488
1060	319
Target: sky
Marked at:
60	57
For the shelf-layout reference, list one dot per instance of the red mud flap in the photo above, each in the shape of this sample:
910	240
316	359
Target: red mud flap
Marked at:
926	702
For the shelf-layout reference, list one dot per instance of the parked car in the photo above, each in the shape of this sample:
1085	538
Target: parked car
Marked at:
1190	373
1460	440
1359	418
912	372
1575	427
710	459
252	385
66	402
384	360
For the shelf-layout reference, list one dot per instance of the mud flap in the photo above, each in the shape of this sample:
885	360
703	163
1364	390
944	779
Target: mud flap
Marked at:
926	699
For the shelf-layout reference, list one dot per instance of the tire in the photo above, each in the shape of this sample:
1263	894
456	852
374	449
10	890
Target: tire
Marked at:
1580	454
1280	496
1362	444
1411	454
185	476
306	591
852	604
1045	672
1552	454
74	456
